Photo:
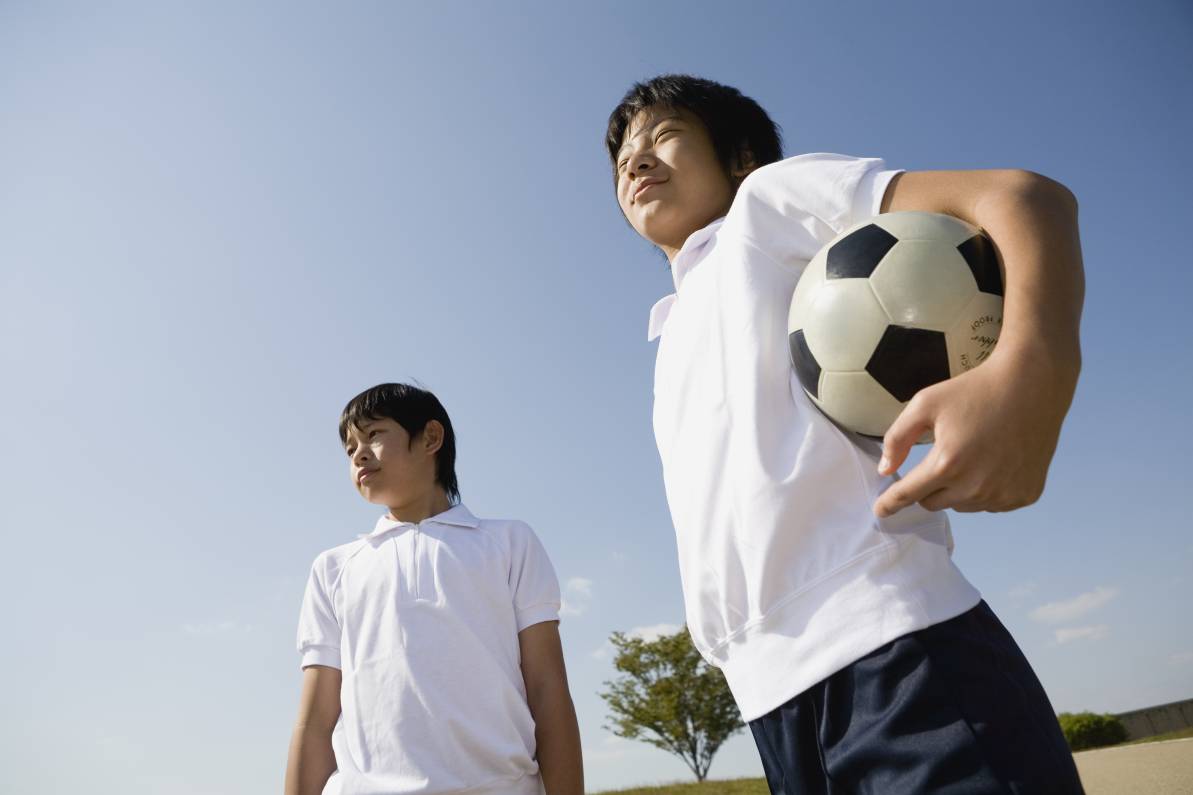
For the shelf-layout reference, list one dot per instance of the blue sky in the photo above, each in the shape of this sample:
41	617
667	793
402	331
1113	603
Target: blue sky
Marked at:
217	224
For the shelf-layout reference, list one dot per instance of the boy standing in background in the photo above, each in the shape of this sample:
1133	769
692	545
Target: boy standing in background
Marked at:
430	646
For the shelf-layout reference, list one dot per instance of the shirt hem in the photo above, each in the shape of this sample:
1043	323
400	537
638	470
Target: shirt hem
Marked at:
845	616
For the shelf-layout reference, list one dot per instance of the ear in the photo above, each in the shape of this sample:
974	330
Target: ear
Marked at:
432	437
743	164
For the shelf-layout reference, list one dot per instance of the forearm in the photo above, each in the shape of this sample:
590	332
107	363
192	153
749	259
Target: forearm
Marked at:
311	761
1034	226
557	737
997	426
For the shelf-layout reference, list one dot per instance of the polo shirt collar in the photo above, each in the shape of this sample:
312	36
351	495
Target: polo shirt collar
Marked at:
690	255
457	516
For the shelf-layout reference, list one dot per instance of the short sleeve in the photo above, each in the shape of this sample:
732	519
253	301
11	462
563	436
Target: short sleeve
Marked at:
532	580
791	208
318	627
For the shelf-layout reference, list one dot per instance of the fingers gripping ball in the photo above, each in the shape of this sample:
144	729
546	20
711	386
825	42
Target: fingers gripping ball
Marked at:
890	306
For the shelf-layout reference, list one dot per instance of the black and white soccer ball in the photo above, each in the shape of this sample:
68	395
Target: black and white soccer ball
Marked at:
890	306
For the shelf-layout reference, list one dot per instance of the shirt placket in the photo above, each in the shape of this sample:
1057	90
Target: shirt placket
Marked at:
406	566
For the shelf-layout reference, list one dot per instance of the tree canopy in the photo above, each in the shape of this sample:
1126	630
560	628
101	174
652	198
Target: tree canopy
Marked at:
668	696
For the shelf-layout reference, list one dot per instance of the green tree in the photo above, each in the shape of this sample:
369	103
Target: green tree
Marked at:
670	697
1084	730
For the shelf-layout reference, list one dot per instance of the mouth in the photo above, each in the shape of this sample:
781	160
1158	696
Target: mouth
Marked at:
364	475
647	183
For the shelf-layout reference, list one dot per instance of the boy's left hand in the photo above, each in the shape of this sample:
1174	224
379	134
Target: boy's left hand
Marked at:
995	428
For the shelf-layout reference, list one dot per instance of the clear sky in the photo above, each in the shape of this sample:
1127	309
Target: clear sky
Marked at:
218	223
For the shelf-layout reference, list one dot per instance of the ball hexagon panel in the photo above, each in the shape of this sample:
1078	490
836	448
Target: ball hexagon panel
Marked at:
857	254
858	402
908	359
805	290
972	337
806	366
923	283
915	225
844	323
978	253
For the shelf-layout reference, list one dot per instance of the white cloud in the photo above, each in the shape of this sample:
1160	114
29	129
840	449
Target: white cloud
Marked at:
1067	634
647	633
654	631
1070	609
577	594
1181	658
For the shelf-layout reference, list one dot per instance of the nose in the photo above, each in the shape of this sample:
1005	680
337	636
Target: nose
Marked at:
640	163
361	457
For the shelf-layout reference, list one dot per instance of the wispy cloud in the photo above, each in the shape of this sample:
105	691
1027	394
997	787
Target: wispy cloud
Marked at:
1071	609
654	631
648	633
577	595
1069	634
1181	658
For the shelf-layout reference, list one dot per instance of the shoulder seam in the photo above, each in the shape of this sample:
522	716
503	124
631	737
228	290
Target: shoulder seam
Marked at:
359	545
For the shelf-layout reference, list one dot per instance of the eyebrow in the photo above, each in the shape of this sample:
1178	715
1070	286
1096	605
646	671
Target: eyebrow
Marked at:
362	427
644	130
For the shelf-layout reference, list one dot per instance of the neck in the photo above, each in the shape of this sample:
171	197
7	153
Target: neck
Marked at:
431	503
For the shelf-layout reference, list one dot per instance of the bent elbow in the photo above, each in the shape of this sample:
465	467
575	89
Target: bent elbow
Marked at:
1032	186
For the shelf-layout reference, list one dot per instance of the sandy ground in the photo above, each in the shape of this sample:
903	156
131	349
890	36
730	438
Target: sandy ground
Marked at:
1164	768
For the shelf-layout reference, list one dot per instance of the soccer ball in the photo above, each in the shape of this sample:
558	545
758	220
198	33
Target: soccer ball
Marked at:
890	306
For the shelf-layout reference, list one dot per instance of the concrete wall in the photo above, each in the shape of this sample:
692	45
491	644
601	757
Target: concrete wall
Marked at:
1158	720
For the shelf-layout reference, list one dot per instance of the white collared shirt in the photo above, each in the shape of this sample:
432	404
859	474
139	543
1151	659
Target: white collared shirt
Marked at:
423	622
787	574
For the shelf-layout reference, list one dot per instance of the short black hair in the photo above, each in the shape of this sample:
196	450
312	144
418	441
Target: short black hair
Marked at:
412	408
736	123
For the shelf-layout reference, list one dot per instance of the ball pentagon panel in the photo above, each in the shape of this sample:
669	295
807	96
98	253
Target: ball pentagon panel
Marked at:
807	369
978	252
907	360
856	254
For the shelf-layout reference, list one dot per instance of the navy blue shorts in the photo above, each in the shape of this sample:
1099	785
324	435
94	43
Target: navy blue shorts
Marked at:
953	708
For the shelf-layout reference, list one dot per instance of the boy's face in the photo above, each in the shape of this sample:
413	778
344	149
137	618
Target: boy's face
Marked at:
669	181
387	467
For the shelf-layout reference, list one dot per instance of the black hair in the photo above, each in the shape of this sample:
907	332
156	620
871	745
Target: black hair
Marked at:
412	408
737	124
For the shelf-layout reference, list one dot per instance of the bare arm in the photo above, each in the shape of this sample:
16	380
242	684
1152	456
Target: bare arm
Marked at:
997	426
311	761
556	733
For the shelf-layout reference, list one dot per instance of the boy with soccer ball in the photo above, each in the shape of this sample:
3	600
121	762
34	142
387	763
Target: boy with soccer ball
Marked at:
819	582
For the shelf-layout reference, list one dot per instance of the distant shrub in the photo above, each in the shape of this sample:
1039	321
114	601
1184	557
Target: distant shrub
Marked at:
1084	730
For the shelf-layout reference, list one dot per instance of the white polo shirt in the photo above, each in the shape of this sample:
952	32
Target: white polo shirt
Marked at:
423	621
787	574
